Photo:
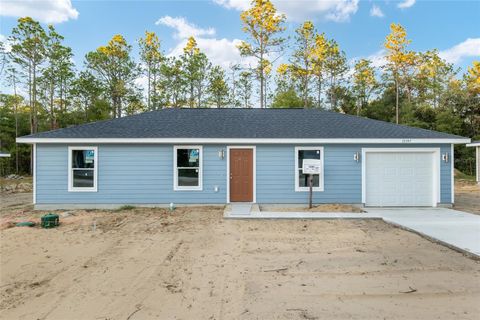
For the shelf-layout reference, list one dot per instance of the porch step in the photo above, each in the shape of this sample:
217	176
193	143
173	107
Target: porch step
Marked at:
238	210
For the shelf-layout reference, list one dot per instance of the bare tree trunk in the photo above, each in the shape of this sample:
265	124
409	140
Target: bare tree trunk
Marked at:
52	111
16	122
154	91
265	92
148	87
262	83
319	85
305	91
232	102
30	96
396	102
114	106
305	84
119	105
34	93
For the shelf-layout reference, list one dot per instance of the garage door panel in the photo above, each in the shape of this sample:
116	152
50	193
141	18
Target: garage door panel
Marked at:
399	179
407	172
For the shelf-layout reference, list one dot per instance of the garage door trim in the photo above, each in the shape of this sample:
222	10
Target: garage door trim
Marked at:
435	164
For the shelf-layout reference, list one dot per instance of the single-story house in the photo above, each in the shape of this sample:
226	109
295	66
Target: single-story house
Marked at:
476	144
218	156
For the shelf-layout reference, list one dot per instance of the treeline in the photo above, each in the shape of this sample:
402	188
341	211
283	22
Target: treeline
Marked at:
413	88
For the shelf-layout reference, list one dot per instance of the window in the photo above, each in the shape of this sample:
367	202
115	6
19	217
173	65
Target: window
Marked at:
82	169
187	168
301	180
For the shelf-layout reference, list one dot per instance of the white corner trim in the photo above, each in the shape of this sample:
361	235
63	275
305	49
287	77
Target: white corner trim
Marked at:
254	148
246	141
452	171
321	178
71	188
176	187
34	173
478	163
436	168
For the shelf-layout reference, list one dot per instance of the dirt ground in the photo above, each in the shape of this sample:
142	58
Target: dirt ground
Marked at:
467	196
335	207
193	264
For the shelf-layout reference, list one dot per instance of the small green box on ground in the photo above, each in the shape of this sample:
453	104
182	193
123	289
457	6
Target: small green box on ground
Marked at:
50	220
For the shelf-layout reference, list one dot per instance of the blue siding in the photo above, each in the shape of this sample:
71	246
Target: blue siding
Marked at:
143	174
342	175
276	176
136	174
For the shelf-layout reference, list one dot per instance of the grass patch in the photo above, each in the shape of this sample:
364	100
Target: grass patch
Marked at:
459	175
126	207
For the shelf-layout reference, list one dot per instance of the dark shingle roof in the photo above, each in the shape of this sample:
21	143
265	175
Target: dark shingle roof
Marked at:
243	123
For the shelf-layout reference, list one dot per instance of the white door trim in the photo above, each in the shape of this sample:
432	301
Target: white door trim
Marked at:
254	148
436	168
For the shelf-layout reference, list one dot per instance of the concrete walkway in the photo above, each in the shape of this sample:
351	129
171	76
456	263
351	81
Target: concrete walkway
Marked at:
456	229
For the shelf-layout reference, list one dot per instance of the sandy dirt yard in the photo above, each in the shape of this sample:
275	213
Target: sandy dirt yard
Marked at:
467	197
193	264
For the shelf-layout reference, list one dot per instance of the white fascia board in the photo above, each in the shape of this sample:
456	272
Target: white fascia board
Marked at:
236	141
475	144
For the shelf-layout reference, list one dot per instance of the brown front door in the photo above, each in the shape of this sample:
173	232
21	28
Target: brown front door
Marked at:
241	175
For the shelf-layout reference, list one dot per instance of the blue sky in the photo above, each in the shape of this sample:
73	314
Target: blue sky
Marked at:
453	27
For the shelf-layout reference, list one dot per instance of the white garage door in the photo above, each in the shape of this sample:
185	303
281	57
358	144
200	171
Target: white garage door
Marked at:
399	179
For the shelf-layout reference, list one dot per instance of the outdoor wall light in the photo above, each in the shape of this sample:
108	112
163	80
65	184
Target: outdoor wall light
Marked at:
356	156
445	157
221	154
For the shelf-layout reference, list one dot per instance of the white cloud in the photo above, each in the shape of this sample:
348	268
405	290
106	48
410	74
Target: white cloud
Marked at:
300	10
343	10
406	4
184	28
234	4
377	59
48	11
222	52
142	82
375	11
7	46
467	48
455	54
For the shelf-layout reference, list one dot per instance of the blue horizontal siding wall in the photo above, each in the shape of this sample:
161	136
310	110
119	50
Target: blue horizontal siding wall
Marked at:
276	176
143	174
342	175
133	174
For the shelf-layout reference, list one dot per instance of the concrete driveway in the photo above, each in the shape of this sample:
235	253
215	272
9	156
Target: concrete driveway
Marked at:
453	228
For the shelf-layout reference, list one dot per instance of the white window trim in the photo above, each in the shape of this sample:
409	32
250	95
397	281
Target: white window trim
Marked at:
321	176
71	188
436	169
176	187
254	148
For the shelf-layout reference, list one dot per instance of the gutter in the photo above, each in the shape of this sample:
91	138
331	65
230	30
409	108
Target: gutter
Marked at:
406	141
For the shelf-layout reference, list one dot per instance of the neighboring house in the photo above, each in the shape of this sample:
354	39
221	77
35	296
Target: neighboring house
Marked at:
4	154
476	144
217	156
